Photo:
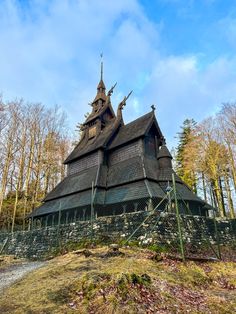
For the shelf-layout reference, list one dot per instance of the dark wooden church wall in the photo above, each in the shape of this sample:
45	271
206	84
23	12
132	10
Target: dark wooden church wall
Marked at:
151	143
84	163
126	152
66	216
122	208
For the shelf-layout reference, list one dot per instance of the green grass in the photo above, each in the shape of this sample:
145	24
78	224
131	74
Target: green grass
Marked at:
132	283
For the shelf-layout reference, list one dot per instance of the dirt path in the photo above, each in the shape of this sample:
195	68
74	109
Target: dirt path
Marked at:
13	273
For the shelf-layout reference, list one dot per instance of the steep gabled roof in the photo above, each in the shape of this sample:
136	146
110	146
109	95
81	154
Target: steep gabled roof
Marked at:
134	130
94	115
91	145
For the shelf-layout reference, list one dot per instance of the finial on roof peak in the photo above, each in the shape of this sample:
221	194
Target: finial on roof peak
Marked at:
153	107
119	117
123	103
111	90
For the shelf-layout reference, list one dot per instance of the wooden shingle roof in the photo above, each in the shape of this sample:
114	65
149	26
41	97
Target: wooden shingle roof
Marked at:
164	152
132	130
92	145
68	202
125	171
74	183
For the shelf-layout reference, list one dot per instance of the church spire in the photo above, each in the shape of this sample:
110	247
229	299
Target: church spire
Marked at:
101	86
101	67
101	104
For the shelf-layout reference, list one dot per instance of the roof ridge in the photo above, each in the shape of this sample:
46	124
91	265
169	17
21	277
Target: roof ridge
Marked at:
133	121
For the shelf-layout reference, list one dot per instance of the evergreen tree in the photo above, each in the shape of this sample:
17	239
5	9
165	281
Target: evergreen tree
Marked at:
183	158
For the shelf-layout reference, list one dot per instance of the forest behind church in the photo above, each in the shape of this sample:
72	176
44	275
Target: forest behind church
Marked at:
33	145
206	158
34	142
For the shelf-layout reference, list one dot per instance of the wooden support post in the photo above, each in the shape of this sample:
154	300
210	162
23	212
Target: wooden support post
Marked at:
75	215
58	227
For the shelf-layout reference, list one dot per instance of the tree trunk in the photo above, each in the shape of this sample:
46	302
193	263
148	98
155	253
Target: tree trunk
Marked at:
6	168
204	186
229	197
222	197
217	195
27	179
232	165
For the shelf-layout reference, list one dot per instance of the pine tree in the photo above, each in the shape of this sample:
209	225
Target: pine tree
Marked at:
184	167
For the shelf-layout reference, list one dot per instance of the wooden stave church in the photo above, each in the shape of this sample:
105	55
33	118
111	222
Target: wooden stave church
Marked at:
115	168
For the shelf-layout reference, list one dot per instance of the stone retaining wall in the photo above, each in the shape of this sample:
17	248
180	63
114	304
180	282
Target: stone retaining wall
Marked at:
40	242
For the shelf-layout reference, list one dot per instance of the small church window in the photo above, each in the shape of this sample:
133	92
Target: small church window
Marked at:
92	131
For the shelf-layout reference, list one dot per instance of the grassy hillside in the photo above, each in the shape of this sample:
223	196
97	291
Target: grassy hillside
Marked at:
135	281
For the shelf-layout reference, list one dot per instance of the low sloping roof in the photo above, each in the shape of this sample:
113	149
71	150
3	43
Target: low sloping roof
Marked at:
166	175
74	183
132	130
183	192
127	192
186	193
156	190
77	200
125	171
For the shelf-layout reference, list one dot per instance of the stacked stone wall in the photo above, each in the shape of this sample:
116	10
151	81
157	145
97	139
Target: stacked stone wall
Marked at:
195	229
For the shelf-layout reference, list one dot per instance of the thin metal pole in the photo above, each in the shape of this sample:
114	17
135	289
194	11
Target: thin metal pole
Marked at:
178	219
143	222
217	234
58	226
92	211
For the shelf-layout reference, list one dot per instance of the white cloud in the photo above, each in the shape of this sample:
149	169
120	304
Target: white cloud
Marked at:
183	89
50	53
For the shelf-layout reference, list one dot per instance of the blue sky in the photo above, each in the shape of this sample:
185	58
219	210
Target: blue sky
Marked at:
177	54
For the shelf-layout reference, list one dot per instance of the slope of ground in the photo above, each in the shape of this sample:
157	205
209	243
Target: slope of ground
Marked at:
134	281
14	271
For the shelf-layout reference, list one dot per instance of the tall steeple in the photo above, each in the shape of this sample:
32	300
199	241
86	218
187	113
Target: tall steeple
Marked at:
101	103
101	88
